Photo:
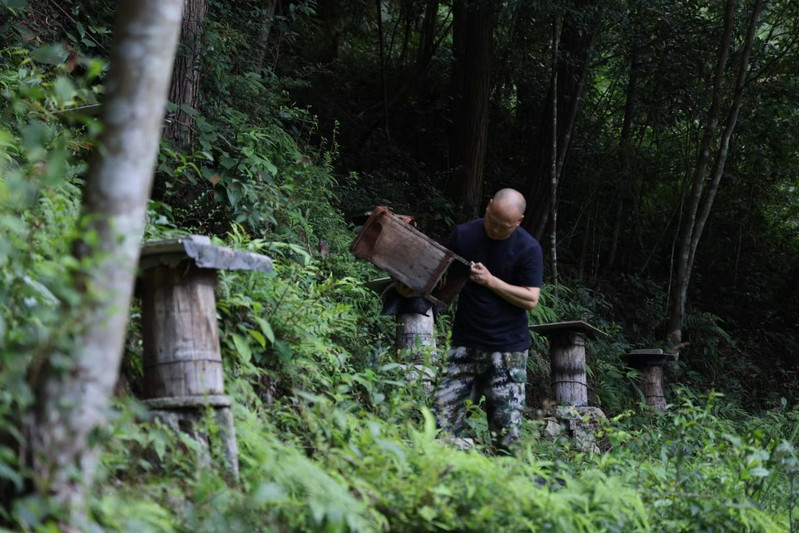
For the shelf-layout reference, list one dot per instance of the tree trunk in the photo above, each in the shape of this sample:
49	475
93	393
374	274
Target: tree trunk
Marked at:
407	16
575	47
527	110
427	35
429	40
553	159
623	175
264	30
472	36
331	14
72	402
185	87
694	220
382	57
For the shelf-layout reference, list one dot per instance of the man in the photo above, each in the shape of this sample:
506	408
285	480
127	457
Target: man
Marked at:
490	335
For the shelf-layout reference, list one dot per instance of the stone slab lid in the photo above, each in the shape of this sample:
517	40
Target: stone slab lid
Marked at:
569	326
198	248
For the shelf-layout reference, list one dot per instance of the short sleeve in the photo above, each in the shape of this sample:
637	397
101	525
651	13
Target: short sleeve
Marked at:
532	266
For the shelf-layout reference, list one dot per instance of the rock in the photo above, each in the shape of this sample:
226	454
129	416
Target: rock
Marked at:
579	423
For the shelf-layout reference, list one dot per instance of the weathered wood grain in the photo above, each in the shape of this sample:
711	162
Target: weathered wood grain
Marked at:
180	333
411	257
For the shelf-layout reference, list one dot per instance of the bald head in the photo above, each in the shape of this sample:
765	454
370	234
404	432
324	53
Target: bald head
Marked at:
504	213
510	199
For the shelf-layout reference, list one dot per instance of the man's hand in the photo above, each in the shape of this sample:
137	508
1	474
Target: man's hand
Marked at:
480	274
524	297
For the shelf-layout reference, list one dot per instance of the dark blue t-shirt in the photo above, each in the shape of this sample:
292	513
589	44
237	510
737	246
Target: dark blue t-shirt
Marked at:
484	321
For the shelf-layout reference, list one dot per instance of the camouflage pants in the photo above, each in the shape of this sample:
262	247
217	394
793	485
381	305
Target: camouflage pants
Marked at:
470	374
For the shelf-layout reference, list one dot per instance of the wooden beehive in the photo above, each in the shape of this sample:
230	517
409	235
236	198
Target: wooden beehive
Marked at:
182	357
180	333
411	257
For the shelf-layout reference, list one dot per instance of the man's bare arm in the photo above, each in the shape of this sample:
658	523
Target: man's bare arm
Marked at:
524	297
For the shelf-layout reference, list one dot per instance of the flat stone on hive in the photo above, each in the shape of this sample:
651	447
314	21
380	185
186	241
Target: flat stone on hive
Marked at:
198	248
569	326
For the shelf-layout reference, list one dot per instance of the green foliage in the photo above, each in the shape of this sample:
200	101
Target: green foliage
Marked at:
714	359
320	462
698	473
43	142
40	171
332	434
301	317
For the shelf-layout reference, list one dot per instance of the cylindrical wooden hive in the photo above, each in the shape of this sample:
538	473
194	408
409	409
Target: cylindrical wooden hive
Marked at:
569	382
650	363
180	334
414	329
653	386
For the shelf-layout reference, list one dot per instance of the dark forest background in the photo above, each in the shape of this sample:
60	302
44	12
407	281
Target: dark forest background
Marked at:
674	137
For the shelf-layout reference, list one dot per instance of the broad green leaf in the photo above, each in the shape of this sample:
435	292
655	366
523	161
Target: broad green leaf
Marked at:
242	347
257	336
266	328
51	54
268	493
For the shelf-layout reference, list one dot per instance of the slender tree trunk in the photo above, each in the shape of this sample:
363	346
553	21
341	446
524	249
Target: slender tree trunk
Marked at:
427	35
429	41
472	37
408	15
623	175
679	287
729	127
694	220
458	75
576	44
184	89
379	9
72	401
264	30
554	158
527	110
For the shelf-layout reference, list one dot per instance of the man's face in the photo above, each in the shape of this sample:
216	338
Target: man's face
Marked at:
501	220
